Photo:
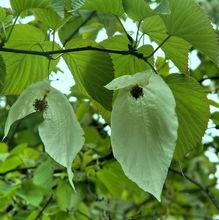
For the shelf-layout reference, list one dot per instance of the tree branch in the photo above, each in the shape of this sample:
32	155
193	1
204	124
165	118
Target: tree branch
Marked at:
43	208
48	54
159	46
199	185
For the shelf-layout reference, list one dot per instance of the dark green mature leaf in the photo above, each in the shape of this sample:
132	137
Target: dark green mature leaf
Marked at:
175	48
23	70
92	70
144	129
60	131
106	6
125	65
192	109
137	9
188	21
21	5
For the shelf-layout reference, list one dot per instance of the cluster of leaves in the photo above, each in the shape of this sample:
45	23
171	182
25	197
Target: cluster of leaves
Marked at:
155	117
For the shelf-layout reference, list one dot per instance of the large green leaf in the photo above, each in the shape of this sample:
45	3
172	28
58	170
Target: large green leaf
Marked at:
60	131
92	70
137	9
21	5
126	65
105	6
188	21
144	129
192	109
22	69
175	48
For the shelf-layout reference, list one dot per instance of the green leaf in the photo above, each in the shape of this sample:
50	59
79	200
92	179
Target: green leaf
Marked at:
188	21
21	5
92	70
49	17
60	131
144	129
67	198
113	177
31	193
137	9
192	109
215	118
163	7
175	48
21	69
126	65
43	175
58	6
2	73
105	6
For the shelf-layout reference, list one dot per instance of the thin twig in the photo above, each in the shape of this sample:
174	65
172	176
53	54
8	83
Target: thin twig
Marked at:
159	46
138	30
43	208
12	28
78	28
83	214
131	40
199	185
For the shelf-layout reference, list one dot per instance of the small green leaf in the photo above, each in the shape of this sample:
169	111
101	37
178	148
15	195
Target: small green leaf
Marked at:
92	70
105	6
60	131
192	109
144	129
188	21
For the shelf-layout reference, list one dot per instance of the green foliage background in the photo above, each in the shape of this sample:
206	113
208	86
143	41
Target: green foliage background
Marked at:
32	185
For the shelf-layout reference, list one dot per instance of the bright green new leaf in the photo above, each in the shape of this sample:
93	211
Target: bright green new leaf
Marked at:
192	110
126	65
137	9
144	129
21	5
155	28
92	70
105	6
60	131
188	21
22	69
